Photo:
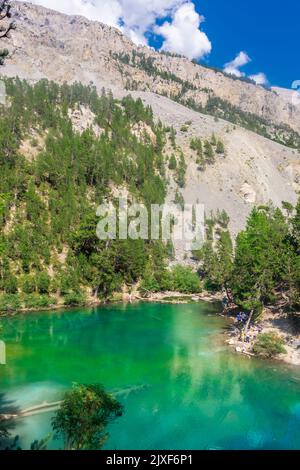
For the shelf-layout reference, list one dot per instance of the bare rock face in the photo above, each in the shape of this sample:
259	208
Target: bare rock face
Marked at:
248	193
143	132
48	44
254	171
71	48
83	119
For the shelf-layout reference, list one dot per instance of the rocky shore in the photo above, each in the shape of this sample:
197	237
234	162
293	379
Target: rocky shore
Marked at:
272	321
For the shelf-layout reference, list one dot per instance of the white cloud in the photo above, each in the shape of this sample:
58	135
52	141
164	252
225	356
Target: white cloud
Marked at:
137	17
108	11
233	67
183	34
242	59
259	78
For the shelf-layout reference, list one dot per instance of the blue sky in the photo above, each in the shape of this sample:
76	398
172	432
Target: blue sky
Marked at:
268	31
257	38
268	34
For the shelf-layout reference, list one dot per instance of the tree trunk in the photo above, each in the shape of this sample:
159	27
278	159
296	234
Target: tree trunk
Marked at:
227	294
249	321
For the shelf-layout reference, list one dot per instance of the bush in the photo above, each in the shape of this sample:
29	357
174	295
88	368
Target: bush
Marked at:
28	284
209	153
179	200
220	148
196	145
74	298
183	279
150	284
181	172
173	163
9	303
180	279
10	284
67	282
43	283
35	301
269	345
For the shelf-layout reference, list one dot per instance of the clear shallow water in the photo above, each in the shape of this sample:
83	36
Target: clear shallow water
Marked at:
195	394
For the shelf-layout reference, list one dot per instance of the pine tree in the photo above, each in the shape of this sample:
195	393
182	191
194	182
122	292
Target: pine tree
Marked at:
220	148
213	140
261	258
181	171
172	162
209	153
173	138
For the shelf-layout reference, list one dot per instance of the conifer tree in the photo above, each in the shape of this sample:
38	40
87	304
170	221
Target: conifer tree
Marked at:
209	153
220	148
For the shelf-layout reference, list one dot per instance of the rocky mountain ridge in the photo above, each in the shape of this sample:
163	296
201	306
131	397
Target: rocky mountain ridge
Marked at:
68	48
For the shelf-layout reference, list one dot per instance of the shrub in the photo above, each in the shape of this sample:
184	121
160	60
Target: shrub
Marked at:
213	140
150	284
183	279
269	345
34	143
173	163
196	145
209	153
179	199
28	284
74	298
10	284
9	303
220	148
35	301
181	171
43	283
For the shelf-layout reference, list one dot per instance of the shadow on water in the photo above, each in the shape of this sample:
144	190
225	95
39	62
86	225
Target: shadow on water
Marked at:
7	424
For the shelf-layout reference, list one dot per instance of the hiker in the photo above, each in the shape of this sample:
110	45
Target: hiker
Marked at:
225	303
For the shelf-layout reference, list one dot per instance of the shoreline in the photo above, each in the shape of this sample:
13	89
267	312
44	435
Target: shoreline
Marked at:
160	297
50	308
273	320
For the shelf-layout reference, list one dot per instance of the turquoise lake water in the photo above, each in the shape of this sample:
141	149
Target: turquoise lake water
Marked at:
181	386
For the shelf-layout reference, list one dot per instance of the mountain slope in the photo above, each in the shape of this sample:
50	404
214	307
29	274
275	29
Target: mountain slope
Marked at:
55	175
67	48
255	169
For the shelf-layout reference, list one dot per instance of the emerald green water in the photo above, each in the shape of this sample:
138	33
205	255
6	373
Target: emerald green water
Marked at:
196	393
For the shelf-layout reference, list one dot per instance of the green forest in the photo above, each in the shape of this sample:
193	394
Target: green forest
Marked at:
263	268
49	249
48	205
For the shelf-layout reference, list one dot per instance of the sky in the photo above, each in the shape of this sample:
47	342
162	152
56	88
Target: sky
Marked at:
256	39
